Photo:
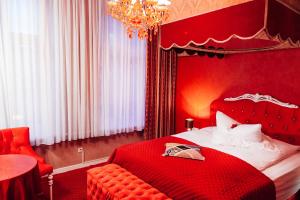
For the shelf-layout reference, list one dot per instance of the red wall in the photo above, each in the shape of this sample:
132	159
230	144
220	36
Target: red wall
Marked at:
200	80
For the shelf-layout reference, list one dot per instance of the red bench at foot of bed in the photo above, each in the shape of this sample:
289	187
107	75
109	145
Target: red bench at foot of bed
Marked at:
114	182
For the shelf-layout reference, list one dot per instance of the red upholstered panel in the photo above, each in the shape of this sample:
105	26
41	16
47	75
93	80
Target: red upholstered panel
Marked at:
277	121
114	182
12	139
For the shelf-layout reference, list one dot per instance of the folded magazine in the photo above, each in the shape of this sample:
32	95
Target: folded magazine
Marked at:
183	151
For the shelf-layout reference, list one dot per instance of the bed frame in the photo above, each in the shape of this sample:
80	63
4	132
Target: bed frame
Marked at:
279	120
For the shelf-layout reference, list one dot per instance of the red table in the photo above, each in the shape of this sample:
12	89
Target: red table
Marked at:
19	177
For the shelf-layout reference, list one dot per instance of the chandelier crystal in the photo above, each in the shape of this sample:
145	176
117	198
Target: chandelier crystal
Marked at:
140	15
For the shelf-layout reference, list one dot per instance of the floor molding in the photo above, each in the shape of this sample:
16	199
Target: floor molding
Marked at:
80	165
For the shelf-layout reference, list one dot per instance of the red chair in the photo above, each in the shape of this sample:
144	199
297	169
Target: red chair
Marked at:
16	141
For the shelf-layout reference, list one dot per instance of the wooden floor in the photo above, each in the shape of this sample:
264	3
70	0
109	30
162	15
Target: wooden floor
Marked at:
66	153
70	185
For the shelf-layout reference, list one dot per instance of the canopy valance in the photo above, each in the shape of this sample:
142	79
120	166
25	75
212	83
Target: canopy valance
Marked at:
258	24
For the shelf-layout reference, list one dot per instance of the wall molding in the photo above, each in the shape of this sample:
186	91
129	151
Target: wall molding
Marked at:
80	165
258	98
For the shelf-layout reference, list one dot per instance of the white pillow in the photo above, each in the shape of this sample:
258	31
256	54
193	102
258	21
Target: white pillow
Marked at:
270	151
247	132
259	154
250	136
223	121
242	135
283	147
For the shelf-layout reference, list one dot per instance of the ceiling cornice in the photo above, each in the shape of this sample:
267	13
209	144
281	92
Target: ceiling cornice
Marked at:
182	9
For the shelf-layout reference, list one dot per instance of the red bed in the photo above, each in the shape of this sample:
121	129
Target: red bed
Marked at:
220	176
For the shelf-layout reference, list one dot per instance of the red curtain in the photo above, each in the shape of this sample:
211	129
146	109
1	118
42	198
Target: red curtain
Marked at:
160	90
283	21
152	65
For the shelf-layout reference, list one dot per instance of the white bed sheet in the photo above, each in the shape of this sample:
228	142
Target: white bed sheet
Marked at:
285	174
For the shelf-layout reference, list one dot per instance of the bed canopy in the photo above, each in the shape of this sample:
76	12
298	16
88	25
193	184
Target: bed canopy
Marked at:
257	25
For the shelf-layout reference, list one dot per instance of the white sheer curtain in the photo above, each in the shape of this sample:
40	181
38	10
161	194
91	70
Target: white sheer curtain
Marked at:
68	71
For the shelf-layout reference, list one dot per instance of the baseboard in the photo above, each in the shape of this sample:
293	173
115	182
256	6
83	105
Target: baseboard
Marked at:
80	165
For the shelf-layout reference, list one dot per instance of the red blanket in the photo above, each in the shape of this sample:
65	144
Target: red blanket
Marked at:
220	176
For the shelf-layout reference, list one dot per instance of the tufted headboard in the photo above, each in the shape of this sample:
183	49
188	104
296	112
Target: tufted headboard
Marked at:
279	120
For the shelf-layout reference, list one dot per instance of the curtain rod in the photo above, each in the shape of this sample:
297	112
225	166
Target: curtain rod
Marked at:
237	51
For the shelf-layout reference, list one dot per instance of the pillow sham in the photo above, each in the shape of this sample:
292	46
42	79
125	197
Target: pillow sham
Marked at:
183	151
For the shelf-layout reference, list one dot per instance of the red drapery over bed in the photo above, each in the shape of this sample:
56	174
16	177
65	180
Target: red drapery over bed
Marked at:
255	24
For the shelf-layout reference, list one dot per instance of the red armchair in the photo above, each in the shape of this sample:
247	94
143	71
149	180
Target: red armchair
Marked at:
16	141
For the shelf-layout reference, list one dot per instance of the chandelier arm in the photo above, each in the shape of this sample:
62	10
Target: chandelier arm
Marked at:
139	16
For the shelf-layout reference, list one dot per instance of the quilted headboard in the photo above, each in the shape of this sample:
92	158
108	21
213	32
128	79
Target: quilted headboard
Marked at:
279	120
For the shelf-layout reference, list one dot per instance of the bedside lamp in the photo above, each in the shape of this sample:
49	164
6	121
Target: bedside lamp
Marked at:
189	124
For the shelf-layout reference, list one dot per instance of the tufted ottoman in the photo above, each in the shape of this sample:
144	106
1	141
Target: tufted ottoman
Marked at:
114	182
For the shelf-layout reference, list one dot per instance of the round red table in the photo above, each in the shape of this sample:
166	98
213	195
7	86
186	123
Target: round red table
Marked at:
19	177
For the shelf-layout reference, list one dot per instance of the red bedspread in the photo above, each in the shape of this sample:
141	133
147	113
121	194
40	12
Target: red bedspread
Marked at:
220	176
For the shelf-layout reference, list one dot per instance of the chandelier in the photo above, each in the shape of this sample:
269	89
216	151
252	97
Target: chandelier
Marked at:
139	15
